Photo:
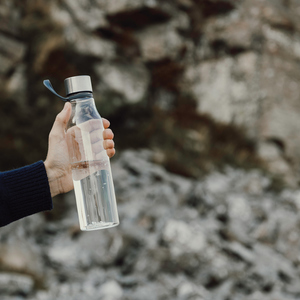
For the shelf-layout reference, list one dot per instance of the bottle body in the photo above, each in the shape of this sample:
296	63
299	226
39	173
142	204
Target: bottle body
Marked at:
91	171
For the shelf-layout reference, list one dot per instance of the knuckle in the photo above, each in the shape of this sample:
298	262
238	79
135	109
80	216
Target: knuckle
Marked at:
54	135
108	144
111	134
112	144
58	118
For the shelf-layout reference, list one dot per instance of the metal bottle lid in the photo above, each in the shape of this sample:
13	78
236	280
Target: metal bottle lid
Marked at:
77	84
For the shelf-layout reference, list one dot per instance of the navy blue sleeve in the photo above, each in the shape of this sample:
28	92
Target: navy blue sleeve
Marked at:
23	192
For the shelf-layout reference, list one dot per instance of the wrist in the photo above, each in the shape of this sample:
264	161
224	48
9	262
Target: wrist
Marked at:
53	180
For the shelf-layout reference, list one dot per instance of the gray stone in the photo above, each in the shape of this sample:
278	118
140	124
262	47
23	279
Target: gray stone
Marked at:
111	290
215	85
278	119
159	42
239	241
130	81
22	256
254	184
241	251
239	207
15	284
271	264
149	291
65	253
86	13
188	290
224	291
12	52
183	238
217	183
88	44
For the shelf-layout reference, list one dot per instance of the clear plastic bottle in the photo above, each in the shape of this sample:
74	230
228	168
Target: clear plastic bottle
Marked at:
91	171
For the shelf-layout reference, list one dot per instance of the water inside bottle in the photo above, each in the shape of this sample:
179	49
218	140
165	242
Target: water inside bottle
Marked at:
95	197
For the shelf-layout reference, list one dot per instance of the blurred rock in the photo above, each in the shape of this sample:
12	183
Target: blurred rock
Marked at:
159	42
89	45
222	93
149	291
183	238
15	284
111	291
16	85
21	256
237	60
84	13
275	160
188	290
12	52
9	18
241	251
63	253
129	81
226	235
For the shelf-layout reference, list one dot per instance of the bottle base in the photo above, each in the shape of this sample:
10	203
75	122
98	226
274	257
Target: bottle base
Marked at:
99	225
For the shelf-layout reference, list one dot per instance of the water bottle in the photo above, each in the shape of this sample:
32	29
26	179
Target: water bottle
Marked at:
91	171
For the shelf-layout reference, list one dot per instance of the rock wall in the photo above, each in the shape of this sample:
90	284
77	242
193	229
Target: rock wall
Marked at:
234	61
205	84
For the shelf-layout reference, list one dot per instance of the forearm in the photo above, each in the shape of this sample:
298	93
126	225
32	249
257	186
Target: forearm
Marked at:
23	192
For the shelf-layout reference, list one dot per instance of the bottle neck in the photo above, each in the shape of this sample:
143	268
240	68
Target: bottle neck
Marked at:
80	96
84	109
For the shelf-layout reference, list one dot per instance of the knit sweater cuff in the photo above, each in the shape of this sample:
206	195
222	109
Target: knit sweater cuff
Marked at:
28	190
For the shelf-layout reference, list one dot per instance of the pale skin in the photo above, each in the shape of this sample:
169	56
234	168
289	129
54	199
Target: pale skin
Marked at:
57	163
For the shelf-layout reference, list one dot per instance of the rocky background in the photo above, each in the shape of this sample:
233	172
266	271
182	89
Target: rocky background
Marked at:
207	94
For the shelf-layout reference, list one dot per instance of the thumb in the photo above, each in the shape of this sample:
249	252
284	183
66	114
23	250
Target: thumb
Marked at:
61	120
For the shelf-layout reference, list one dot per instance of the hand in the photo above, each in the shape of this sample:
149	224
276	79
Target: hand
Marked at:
57	163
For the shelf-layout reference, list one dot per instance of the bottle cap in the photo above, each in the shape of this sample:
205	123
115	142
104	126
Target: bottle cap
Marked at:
78	84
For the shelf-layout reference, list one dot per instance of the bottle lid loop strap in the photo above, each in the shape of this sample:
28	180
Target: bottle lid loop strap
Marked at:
78	95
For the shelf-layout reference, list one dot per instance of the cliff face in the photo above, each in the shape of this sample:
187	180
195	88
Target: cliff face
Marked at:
232	62
212	88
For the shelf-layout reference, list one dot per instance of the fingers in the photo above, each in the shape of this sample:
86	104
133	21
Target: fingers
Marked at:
58	128
63	117
108	134
100	139
95	131
106	123
111	152
108	144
